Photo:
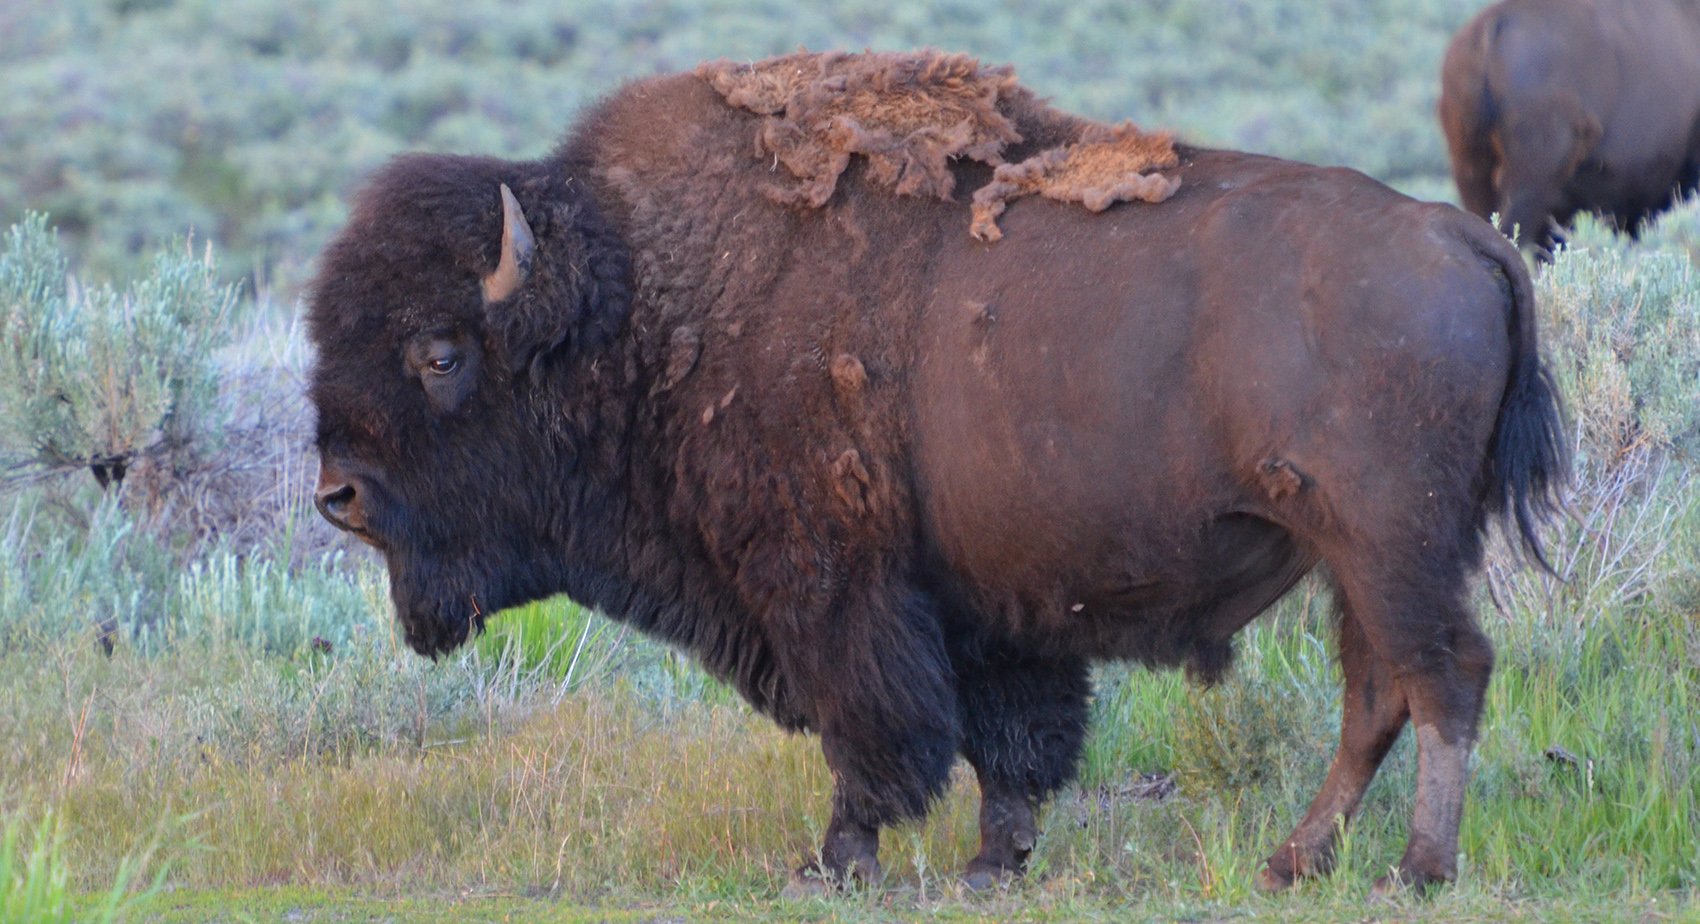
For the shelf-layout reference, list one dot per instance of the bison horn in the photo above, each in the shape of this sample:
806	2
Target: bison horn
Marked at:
517	247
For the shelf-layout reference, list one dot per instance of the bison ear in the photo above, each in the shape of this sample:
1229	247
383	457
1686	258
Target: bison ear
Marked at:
517	248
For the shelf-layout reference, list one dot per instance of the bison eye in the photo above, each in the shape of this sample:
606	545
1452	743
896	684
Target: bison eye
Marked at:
447	366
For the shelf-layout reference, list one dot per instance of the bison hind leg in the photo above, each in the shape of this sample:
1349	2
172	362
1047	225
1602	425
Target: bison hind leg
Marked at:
1373	715
1410	653
1023	725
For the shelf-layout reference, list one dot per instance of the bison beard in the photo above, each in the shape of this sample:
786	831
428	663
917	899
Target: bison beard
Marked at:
900	485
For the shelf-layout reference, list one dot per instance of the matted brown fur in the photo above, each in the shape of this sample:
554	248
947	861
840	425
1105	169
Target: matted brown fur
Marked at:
1110	163
910	114
907	113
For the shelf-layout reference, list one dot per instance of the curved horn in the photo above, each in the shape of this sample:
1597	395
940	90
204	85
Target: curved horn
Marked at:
517	247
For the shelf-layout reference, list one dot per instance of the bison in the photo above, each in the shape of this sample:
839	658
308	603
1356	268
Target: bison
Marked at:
1552	107
898	397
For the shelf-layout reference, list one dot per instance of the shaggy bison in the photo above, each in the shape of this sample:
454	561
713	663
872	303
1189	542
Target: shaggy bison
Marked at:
897	397
1551	107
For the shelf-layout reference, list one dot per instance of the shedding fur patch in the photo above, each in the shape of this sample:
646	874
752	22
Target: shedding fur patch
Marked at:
911	114
908	114
1109	164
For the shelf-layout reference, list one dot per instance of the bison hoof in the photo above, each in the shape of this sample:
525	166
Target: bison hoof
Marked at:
1271	881
812	881
1292	863
805	883
984	875
1402	881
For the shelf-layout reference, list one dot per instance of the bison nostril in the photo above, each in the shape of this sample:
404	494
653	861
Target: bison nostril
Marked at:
335	503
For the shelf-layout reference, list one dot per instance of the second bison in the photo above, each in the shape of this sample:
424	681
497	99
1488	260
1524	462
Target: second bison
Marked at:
1553	107
897	397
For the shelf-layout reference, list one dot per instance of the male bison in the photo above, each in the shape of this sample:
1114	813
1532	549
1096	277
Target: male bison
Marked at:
740	365
1551	107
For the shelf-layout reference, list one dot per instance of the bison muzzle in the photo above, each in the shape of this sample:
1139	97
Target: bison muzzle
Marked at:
729	366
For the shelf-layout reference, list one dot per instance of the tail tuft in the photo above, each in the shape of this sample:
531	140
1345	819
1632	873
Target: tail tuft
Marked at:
1530	466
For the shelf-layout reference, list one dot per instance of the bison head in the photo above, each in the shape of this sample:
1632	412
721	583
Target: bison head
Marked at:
449	317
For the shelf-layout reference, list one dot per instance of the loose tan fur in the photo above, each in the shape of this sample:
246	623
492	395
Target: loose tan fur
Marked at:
1110	163
910	114
907	113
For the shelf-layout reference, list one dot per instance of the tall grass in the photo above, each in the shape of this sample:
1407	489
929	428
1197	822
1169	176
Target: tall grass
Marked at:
35	881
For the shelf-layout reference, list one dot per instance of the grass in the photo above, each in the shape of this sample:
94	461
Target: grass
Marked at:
35	880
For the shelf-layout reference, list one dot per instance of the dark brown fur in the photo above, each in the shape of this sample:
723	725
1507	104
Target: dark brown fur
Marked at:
899	486
1553	107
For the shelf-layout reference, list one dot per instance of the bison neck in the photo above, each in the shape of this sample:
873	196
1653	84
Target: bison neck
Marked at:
750	471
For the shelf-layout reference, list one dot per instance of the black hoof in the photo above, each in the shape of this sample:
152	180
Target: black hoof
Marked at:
812	880
982	876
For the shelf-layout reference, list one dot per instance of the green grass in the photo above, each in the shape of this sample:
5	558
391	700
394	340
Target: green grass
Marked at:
297	905
35	880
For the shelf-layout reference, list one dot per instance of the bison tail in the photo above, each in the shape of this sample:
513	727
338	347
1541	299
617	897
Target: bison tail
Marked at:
1530	465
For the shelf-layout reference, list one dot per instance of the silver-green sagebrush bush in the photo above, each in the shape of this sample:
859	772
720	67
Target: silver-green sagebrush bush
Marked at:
103	377
1623	325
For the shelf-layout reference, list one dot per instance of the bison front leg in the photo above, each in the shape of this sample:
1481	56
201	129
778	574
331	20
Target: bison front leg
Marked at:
1373	714
885	707
1023	722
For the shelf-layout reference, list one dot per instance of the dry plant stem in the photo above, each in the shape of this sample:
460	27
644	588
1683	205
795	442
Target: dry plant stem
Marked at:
79	727
1206	876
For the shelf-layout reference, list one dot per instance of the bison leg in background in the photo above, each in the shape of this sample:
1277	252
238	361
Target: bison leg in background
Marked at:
886	712
1542	147
1374	713
1023	722
1475	152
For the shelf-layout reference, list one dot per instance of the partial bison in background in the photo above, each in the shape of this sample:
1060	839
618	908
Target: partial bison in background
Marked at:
742	365
1553	107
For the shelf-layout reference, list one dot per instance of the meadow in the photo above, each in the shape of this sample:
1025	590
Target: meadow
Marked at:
205	711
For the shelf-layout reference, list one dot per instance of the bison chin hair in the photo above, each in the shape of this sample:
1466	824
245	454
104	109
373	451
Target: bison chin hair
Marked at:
443	605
